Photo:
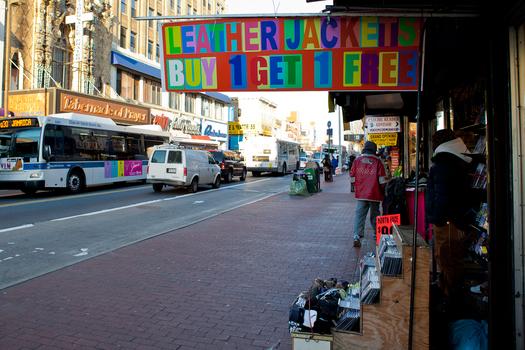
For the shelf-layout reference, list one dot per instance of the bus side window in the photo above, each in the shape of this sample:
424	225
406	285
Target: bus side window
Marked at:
54	137
133	147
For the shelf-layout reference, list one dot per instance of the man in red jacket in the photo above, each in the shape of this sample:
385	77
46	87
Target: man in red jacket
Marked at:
368	176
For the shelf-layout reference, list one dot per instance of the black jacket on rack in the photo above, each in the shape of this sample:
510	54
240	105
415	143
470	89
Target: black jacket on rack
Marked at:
448	195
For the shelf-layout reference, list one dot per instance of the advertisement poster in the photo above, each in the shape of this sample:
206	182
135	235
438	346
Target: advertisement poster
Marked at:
290	53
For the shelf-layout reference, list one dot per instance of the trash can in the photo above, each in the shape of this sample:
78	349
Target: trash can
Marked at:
312	180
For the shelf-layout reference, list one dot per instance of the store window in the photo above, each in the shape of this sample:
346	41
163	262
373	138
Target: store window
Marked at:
152	92
205	107
150	49
123	39
219	107
174	100
127	85
189	103
132	41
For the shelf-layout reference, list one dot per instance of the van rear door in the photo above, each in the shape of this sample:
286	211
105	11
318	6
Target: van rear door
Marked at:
157	164
174	166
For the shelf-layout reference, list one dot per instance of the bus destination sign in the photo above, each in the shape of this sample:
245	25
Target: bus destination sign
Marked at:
18	123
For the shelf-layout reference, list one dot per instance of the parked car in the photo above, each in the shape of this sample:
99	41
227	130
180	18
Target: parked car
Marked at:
171	166
231	164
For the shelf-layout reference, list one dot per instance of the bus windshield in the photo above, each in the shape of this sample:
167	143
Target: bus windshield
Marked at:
20	143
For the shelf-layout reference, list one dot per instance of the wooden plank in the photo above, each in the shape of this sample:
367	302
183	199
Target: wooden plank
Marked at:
385	325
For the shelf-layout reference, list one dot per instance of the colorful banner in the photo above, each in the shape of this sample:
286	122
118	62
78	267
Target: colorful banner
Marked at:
310	53
120	168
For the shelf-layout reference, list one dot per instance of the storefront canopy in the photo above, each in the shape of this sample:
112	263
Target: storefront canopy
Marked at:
120	59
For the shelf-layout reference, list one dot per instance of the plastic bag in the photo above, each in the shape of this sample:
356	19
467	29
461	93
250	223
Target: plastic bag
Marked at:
469	335
298	188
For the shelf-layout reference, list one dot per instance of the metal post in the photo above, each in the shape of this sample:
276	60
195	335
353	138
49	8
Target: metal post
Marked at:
416	196
7	65
339	120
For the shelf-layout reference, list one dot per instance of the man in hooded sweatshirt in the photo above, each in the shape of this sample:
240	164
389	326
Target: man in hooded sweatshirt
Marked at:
368	176
447	203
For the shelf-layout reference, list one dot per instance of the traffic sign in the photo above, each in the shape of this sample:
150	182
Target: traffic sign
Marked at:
377	125
329	124
329	132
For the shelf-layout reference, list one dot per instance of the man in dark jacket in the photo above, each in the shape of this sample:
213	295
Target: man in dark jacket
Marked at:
447	203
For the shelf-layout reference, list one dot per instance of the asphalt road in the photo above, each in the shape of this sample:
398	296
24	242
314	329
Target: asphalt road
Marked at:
48	231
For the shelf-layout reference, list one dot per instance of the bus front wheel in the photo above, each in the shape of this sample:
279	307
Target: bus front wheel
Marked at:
75	182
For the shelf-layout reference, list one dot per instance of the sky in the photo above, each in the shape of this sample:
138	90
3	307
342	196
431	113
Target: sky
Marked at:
310	105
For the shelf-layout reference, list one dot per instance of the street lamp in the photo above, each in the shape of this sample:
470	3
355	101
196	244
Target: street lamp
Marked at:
7	63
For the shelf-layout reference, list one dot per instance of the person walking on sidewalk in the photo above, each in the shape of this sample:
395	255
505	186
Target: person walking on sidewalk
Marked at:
327	169
335	163
368	176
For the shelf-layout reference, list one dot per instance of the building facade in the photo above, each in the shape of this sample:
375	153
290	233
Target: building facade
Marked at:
98	47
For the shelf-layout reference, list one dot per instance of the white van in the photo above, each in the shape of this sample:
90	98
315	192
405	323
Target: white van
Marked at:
172	166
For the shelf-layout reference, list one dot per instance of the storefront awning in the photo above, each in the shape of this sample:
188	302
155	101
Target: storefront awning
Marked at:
120	59
218	96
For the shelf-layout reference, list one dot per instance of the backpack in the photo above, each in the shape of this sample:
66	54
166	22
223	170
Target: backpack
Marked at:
395	199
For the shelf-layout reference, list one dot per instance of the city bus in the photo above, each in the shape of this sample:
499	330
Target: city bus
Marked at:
269	154
72	151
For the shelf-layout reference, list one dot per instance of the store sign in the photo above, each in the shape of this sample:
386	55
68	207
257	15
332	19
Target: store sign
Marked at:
384	225
235	128
385	139
215	130
394	154
119	112
28	104
162	118
379	125
291	53
186	125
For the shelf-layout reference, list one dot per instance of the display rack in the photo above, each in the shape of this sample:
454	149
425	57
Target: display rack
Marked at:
385	325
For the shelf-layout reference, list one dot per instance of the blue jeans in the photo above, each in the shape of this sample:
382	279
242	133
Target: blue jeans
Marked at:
361	210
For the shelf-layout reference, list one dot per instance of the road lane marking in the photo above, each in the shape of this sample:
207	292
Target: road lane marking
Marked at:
107	210
15	228
146	203
99	193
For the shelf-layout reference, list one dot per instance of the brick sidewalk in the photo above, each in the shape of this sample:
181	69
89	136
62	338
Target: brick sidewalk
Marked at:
194	288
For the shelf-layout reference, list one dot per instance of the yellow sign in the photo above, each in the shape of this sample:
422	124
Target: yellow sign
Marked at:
18	123
27	104
385	139
234	128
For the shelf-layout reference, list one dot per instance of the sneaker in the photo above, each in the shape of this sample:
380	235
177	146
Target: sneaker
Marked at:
357	243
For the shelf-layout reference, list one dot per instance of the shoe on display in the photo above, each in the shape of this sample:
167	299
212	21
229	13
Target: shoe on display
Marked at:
357	243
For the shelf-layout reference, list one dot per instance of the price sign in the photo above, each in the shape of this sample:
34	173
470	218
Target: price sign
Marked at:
384	225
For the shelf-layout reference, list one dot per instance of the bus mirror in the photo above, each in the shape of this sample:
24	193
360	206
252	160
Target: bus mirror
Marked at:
47	152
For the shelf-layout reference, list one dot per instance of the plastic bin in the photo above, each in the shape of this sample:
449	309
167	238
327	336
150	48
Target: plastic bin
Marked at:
311	180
